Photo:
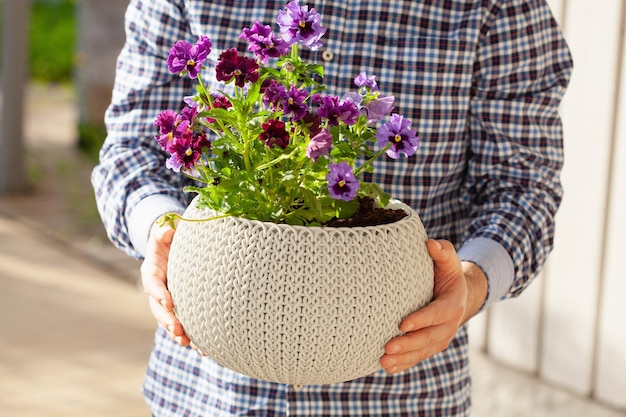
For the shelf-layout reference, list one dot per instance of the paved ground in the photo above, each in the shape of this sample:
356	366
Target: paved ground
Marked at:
75	331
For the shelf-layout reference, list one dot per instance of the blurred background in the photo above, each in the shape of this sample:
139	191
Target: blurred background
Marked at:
75	332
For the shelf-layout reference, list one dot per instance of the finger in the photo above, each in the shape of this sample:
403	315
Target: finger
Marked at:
407	351
444	256
154	284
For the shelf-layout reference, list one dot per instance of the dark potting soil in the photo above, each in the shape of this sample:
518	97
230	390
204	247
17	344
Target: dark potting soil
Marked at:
369	215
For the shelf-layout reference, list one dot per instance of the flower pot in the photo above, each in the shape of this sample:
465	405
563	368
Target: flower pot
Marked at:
295	304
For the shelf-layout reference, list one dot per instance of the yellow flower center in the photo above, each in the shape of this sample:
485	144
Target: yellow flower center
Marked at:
397	138
302	24
188	152
342	183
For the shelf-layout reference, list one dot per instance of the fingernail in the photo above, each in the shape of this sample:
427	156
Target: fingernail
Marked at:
407	327
392	370
438	245
170	328
163	303
395	349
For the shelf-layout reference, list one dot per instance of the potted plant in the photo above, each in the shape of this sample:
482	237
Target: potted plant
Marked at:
263	277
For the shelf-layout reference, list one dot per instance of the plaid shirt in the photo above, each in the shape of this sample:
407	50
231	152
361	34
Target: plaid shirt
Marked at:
481	81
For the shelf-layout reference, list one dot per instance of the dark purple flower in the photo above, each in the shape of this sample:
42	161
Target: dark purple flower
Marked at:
362	80
311	122
342	184
299	24
319	144
274	94
336	110
293	103
232	66
403	140
186	57
274	133
263	43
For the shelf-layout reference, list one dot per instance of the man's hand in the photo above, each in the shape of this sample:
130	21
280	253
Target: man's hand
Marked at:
459	292
154	279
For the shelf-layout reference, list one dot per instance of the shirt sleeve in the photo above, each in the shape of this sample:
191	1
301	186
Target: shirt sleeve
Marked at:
132	167
521	72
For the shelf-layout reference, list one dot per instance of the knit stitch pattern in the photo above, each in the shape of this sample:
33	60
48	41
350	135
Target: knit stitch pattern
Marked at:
295	304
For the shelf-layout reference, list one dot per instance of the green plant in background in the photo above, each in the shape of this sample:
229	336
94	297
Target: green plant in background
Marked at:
52	40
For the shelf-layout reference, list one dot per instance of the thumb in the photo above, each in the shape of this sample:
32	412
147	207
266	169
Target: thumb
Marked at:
444	256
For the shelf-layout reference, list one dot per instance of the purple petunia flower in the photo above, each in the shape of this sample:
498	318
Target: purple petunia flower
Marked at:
342	184
274	94
274	133
186	57
319	144
263	43
336	110
378	108
403	140
232	66
299	24
293	103
362	80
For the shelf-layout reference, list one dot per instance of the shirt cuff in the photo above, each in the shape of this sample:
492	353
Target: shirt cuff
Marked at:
145	213
495	262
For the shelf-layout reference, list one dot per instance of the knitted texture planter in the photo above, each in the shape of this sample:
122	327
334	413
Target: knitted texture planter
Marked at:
295	304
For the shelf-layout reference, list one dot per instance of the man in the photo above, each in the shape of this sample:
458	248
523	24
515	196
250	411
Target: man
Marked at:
481	80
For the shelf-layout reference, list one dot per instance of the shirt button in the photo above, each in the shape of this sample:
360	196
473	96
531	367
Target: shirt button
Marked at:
297	387
328	55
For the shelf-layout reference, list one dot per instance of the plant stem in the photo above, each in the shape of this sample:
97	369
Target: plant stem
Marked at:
360	169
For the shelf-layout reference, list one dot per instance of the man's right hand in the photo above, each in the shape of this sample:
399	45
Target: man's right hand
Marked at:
154	279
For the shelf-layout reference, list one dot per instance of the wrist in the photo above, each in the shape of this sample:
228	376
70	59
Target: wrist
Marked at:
477	288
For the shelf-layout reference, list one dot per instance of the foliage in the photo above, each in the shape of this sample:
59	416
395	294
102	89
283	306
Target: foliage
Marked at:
277	147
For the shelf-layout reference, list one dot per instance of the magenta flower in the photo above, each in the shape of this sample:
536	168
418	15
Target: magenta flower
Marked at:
403	140
166	121
342	184
184	57
336	110
232	66
274	133
299	24
263	43
319	144
362	80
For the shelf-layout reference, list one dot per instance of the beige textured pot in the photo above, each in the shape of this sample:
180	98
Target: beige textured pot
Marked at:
294	304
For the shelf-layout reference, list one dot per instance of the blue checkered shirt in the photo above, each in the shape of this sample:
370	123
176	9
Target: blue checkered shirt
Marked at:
481	80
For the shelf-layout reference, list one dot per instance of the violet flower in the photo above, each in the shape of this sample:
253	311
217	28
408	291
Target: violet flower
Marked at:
184	57
378	108
403	140
362	80
299	24
319	144
263	43
342	184
232	66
